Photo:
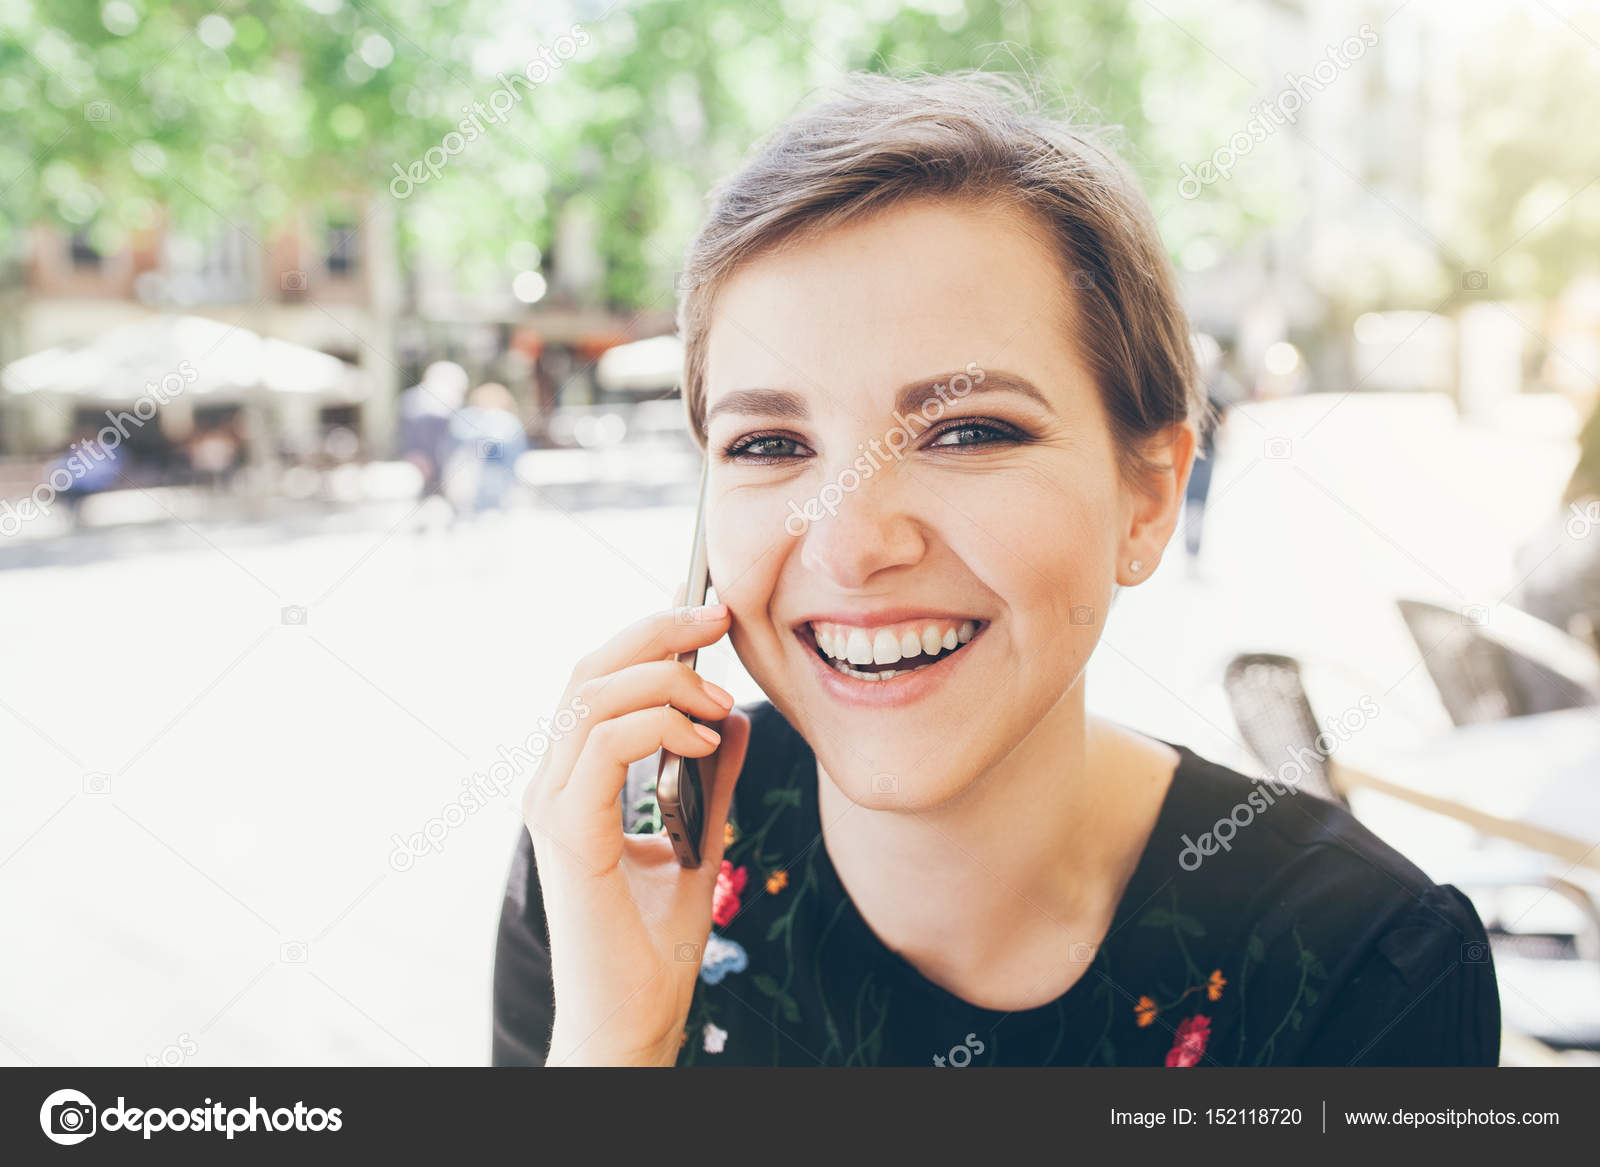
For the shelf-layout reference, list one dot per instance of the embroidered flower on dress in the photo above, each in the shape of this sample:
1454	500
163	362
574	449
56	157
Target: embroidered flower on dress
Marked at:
722	956
777	881
1214	985
715	1038
725	901
1145	1011
1190	1043
727	834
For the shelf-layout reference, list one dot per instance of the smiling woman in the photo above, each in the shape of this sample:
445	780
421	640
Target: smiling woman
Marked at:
940	327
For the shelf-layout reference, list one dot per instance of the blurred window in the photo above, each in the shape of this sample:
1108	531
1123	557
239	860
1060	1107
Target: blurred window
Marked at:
343	249
84	255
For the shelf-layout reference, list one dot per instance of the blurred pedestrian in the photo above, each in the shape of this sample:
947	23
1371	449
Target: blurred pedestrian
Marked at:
92	467
426	410
215	454
489	438
1222	391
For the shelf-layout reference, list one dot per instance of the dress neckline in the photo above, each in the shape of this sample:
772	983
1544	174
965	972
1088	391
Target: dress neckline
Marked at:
1150	875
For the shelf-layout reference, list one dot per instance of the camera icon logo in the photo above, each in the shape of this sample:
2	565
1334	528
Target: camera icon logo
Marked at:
1082	951
293	281
1082	278
885	783
97	782
1475	615
1277	449
67	1117
489	450
1083	614
1475	280
687	951
97	111
1474	952
1584	519
294	614
292	952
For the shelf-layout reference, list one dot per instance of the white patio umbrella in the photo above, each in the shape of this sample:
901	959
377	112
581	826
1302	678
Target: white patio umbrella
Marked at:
227	361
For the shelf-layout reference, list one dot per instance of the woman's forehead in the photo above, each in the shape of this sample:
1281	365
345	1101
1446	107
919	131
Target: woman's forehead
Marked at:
907	294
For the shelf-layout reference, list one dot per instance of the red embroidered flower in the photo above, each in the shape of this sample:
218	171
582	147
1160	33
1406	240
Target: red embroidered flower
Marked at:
725	901
1193	1034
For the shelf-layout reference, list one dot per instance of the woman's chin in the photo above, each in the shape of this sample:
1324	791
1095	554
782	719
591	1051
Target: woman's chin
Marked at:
914	786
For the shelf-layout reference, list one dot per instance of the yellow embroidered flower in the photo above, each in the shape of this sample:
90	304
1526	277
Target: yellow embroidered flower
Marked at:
1145	1011
1214	985
777	881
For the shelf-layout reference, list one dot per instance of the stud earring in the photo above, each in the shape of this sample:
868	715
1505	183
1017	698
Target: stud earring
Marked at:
1136	566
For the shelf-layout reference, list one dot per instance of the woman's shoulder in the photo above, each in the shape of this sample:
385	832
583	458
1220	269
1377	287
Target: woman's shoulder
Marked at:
1276	825
1299	882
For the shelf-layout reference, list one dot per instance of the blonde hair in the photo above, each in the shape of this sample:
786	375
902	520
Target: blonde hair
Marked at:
878	141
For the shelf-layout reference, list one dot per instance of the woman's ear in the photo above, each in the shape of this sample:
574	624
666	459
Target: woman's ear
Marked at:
1155	502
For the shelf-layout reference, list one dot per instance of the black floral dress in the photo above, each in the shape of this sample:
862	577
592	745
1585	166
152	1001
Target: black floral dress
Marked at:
1298	939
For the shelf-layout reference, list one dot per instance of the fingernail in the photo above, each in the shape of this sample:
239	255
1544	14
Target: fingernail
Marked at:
708	733
706	613
721	695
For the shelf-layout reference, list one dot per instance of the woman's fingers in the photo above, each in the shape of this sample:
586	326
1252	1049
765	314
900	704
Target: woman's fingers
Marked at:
602	768
641	686
661	682
655	637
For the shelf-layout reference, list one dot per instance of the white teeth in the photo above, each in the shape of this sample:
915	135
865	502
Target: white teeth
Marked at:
861	676
885	647
858	650
865	646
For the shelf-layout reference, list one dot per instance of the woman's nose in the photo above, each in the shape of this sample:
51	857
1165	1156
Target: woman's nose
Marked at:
860	533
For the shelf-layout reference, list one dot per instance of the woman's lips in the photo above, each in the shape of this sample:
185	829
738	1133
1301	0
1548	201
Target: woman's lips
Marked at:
906	685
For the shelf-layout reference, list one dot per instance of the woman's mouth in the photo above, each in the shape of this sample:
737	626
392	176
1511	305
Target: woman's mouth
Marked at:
877	654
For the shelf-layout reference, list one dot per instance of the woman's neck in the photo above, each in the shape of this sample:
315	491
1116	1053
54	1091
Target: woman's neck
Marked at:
1028	864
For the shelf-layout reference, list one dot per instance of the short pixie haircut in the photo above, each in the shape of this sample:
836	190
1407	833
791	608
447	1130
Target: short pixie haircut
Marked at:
877	141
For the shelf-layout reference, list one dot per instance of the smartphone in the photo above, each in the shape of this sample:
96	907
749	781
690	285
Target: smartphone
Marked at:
680	795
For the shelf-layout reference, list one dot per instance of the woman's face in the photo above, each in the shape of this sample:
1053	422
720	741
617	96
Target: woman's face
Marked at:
857	513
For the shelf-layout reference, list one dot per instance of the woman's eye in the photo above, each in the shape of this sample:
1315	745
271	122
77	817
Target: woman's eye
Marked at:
972	434
765	448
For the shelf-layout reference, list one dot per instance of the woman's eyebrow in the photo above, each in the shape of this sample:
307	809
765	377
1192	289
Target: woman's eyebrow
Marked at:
789	404
762	403
915	393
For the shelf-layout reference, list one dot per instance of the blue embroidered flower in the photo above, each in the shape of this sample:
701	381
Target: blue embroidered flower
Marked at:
723	956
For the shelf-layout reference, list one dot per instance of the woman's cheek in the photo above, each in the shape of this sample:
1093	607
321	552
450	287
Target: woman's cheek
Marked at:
744	550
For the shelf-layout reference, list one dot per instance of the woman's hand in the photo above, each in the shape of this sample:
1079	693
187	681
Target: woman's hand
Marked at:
627	924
